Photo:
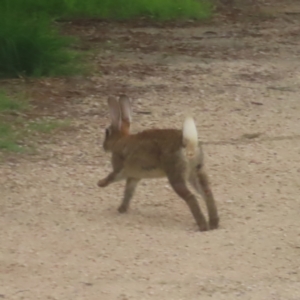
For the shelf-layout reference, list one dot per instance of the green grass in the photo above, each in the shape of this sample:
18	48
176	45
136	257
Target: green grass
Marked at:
9	138
30	45
11	104
124	9
8	133
33	7
13	133
112	9
14	130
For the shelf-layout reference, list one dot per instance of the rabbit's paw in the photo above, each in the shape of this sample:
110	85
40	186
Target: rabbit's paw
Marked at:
102	182
214	223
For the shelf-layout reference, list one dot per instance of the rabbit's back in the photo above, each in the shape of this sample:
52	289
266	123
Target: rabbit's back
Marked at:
145	153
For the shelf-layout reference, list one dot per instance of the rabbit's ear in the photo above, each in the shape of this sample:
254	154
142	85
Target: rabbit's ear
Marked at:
125	107
115	112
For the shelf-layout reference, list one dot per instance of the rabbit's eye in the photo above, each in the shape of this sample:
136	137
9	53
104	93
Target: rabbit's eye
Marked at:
107	132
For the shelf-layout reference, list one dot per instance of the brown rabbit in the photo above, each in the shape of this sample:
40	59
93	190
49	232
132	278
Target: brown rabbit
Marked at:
156	153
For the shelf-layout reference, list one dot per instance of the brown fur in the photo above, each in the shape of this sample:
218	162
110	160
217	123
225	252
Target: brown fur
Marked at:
156	153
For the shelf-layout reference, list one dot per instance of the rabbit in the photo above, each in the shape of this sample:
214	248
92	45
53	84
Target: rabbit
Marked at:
157	153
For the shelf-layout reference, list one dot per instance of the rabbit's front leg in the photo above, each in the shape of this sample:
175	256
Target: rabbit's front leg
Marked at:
131	184
117	173
112	177
107	180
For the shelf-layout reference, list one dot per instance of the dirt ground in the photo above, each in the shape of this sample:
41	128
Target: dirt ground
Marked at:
62	237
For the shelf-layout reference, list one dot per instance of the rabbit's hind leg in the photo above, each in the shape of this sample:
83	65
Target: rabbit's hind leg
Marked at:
200	181
179	186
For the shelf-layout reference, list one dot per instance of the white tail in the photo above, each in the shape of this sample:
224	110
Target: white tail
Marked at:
190	135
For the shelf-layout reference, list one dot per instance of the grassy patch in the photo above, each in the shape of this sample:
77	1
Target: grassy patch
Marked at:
113	9
9	138
31	47
10	104
8	133
17	133
157	9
